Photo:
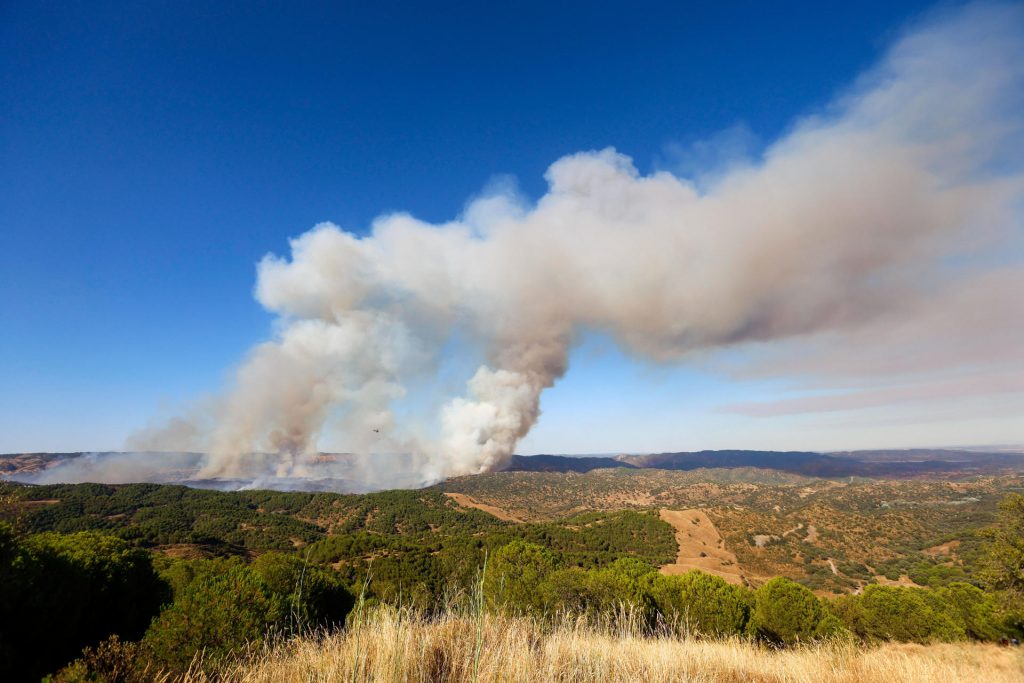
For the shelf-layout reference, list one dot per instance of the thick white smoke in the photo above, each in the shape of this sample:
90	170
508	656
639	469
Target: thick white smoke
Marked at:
905	187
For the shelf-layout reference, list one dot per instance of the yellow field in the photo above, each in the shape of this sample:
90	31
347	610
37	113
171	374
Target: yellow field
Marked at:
398	646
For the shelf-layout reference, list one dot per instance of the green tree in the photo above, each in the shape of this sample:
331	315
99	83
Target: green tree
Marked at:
905	614
701	604
1002	566
218	613
565	592
1002	563
70	592
972	609
785	613
514	575
619	588
314	596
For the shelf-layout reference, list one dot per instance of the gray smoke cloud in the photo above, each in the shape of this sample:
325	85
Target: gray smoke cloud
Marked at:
907	186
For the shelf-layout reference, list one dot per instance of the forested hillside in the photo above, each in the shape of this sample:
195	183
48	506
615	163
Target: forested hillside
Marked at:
141	577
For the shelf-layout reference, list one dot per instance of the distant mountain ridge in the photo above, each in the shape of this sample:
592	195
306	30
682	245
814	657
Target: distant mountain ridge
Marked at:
875	464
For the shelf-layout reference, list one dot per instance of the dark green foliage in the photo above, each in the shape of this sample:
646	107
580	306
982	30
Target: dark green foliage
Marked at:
566	591
346	546
69	592
514	576
702	604
219	612
620	587
416	568
904	614
1003	558
153	514
971	609
397	512
222	605
315	597
595	539
112	661
786	613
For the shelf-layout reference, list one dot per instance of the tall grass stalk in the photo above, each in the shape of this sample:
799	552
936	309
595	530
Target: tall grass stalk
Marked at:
458	646
356	628
478	599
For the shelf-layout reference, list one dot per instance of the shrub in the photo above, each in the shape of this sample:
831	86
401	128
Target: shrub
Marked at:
785	613
619	587
70	592
904	614
701	603
972	609
217	613
314	596
112	661
514	575
566	591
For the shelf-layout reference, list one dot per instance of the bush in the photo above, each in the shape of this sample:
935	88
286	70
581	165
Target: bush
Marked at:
112	661
972	609
514	576
701	603
566	591
315	597
70	592
218	613
904	614
221	606
621	587
786	613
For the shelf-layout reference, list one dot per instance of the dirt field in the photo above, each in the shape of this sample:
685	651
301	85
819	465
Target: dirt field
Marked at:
700	546
947	548
468	502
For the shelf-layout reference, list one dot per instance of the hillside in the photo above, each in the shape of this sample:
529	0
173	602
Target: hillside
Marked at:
831	535
555	547
834	536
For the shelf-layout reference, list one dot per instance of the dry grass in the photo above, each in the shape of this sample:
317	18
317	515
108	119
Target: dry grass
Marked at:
700	546
392	645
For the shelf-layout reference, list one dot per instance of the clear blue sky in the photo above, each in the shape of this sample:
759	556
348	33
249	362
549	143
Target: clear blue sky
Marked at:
151	153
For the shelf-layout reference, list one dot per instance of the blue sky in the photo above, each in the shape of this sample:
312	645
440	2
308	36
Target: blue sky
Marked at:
152	153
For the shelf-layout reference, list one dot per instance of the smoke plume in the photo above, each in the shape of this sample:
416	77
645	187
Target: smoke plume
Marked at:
907	187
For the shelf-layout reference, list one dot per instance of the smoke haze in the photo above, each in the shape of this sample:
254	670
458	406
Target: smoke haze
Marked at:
890	211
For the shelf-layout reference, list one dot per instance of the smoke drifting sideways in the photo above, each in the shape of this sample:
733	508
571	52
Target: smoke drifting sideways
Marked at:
907	188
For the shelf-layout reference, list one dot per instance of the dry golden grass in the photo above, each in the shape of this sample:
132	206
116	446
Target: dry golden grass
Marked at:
700	546
392	645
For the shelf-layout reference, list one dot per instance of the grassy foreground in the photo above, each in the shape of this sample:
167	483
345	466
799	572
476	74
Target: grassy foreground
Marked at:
390	645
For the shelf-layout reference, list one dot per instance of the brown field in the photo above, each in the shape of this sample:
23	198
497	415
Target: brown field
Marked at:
468	502
700	546
397	646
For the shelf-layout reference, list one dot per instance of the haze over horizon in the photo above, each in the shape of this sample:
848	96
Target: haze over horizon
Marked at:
822	254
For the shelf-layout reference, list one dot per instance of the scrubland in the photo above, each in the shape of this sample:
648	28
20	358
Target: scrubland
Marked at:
448	592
